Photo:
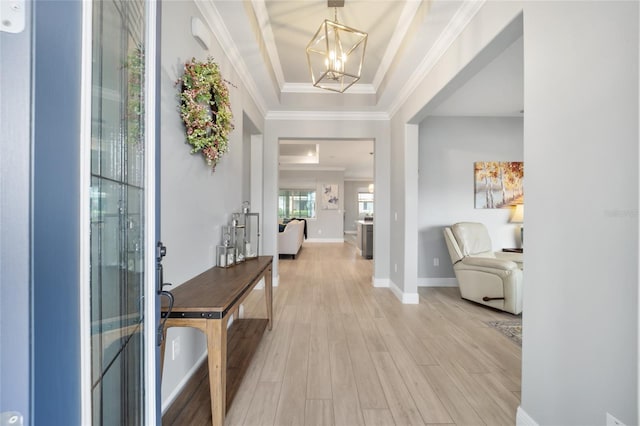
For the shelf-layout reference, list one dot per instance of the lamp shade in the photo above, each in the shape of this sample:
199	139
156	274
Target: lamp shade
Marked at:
518	214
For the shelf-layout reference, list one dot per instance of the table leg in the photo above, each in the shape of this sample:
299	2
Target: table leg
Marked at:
162	349
268	294
217	355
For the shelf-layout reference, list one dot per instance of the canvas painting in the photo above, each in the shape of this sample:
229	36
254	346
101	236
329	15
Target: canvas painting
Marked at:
498	184
330	196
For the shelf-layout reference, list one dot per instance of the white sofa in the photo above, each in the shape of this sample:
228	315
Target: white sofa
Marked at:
290	240
482	277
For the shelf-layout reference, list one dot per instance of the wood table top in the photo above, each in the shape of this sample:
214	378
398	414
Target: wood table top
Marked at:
212	293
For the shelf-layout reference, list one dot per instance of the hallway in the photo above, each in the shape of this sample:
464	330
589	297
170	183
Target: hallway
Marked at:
342	352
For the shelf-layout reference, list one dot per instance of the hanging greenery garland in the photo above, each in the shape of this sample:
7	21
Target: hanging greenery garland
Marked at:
205	109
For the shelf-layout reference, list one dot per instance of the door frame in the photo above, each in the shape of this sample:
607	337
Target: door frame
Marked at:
151	207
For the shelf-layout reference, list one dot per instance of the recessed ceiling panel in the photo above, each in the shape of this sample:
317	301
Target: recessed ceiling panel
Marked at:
294	23
299	153
354	157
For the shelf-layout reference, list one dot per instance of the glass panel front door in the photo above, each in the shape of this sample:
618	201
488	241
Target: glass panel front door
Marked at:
117	213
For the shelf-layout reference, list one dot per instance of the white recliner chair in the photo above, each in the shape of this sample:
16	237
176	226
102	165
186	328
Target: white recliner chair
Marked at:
482	277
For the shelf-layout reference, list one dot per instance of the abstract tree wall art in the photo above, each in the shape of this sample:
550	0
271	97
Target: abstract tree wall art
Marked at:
329	196
498	184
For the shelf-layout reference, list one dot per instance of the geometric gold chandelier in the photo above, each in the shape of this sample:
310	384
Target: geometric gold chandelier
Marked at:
335	53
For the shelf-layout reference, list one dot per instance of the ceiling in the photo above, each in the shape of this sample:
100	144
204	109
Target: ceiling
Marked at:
266	40
353	157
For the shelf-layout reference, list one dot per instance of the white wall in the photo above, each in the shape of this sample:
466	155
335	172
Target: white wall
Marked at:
481	38
328	224
351	190
448	148
580	356
195	201
581	156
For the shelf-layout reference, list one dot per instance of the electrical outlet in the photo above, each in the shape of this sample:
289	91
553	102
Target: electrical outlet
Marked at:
395	216
175	348
395	267
436	261
319	231
612	421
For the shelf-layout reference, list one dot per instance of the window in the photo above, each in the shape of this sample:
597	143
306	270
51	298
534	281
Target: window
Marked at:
299	203
365	204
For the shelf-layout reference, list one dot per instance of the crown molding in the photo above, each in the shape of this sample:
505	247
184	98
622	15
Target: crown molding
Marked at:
404	22
356	89
358	179
454	28
220	31
311	168
262	16
328	115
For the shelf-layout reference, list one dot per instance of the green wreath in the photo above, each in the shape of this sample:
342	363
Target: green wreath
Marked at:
205	109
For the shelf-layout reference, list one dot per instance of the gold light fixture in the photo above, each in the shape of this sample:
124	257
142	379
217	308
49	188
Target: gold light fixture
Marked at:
335	53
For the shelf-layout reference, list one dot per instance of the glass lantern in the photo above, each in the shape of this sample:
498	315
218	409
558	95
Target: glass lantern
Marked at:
237	219
225	253
239	239
252	235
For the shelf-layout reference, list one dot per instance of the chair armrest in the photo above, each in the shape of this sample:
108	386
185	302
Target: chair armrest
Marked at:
489	262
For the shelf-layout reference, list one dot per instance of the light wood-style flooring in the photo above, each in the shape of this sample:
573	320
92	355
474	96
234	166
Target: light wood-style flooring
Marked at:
344	353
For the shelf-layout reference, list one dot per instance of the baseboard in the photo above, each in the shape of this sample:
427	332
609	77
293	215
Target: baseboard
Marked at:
351	232
324	240
410	298
437	282
380	282
405	298
523	419
176	391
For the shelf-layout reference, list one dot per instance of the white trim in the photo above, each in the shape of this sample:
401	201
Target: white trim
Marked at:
404	23
454	28
221	33
405	298
328	115
358	179
176	391
150	306
85	219
275	281
380	282
437	282
351	232
356	89
324	240
523	419
297	167
411	191
262	17
410	298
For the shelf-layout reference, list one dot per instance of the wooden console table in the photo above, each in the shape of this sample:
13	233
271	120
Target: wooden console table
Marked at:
205	302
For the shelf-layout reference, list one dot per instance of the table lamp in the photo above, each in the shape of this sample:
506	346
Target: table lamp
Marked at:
518	217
